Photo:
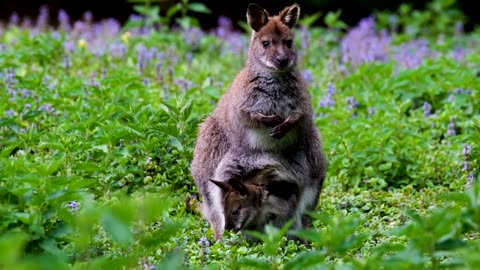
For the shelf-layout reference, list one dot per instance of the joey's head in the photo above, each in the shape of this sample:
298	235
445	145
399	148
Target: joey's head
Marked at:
271	45
241	202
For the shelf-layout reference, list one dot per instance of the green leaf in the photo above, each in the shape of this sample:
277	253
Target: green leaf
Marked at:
310	235
450	244
198	7
11	247
307	21
102	147
173	260
255	263
117	229
57	194
175	142
305	259
50	246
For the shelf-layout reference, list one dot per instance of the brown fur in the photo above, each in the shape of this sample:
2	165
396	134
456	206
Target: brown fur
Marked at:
267	114
269	196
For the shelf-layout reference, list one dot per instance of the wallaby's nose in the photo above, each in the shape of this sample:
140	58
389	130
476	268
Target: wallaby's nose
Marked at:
282	61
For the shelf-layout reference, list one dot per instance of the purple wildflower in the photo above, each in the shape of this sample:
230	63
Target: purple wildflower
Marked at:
80	29
27	106
46	79
25	93
236	43
10	113
113	26
451	128
69	46
458	53
117	50
467	149
470	179
158	69
352	103
64	20
55	35
46	108
104	72
94	82
9	77
307	76
146	82
362	44
189	58
328	100
466	166
426	109
87	16
306	37
51	85
165	92
224	27
184	84
43	17
193	36
204	242
98	47
371	110
14	19
224	22
141	58
172	56
72	206
27	23
412	54
147	263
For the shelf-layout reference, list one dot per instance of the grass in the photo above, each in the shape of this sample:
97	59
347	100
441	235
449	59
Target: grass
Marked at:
97	130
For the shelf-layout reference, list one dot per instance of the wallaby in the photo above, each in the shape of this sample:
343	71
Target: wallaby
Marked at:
266	110
267	197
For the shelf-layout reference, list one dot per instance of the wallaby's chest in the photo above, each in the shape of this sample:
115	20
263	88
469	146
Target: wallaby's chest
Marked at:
273	96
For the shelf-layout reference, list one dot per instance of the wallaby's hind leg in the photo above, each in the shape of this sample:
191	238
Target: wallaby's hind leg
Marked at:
210	148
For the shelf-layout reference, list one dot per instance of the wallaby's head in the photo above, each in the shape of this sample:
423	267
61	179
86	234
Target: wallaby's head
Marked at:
241	202
271	44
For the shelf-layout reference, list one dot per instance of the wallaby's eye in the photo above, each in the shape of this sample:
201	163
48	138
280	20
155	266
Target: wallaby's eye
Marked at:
288	43
265	44
235	212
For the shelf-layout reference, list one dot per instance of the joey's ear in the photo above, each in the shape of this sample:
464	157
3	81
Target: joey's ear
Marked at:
223	185
257	17
289	16
238	186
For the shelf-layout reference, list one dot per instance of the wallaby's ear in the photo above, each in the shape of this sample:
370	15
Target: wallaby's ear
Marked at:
238	186
289	16
257	16
223	185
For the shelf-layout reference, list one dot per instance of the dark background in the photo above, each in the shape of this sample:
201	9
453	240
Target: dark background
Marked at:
352	10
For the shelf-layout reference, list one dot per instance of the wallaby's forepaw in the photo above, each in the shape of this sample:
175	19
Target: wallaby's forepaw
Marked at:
267	120
278	131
